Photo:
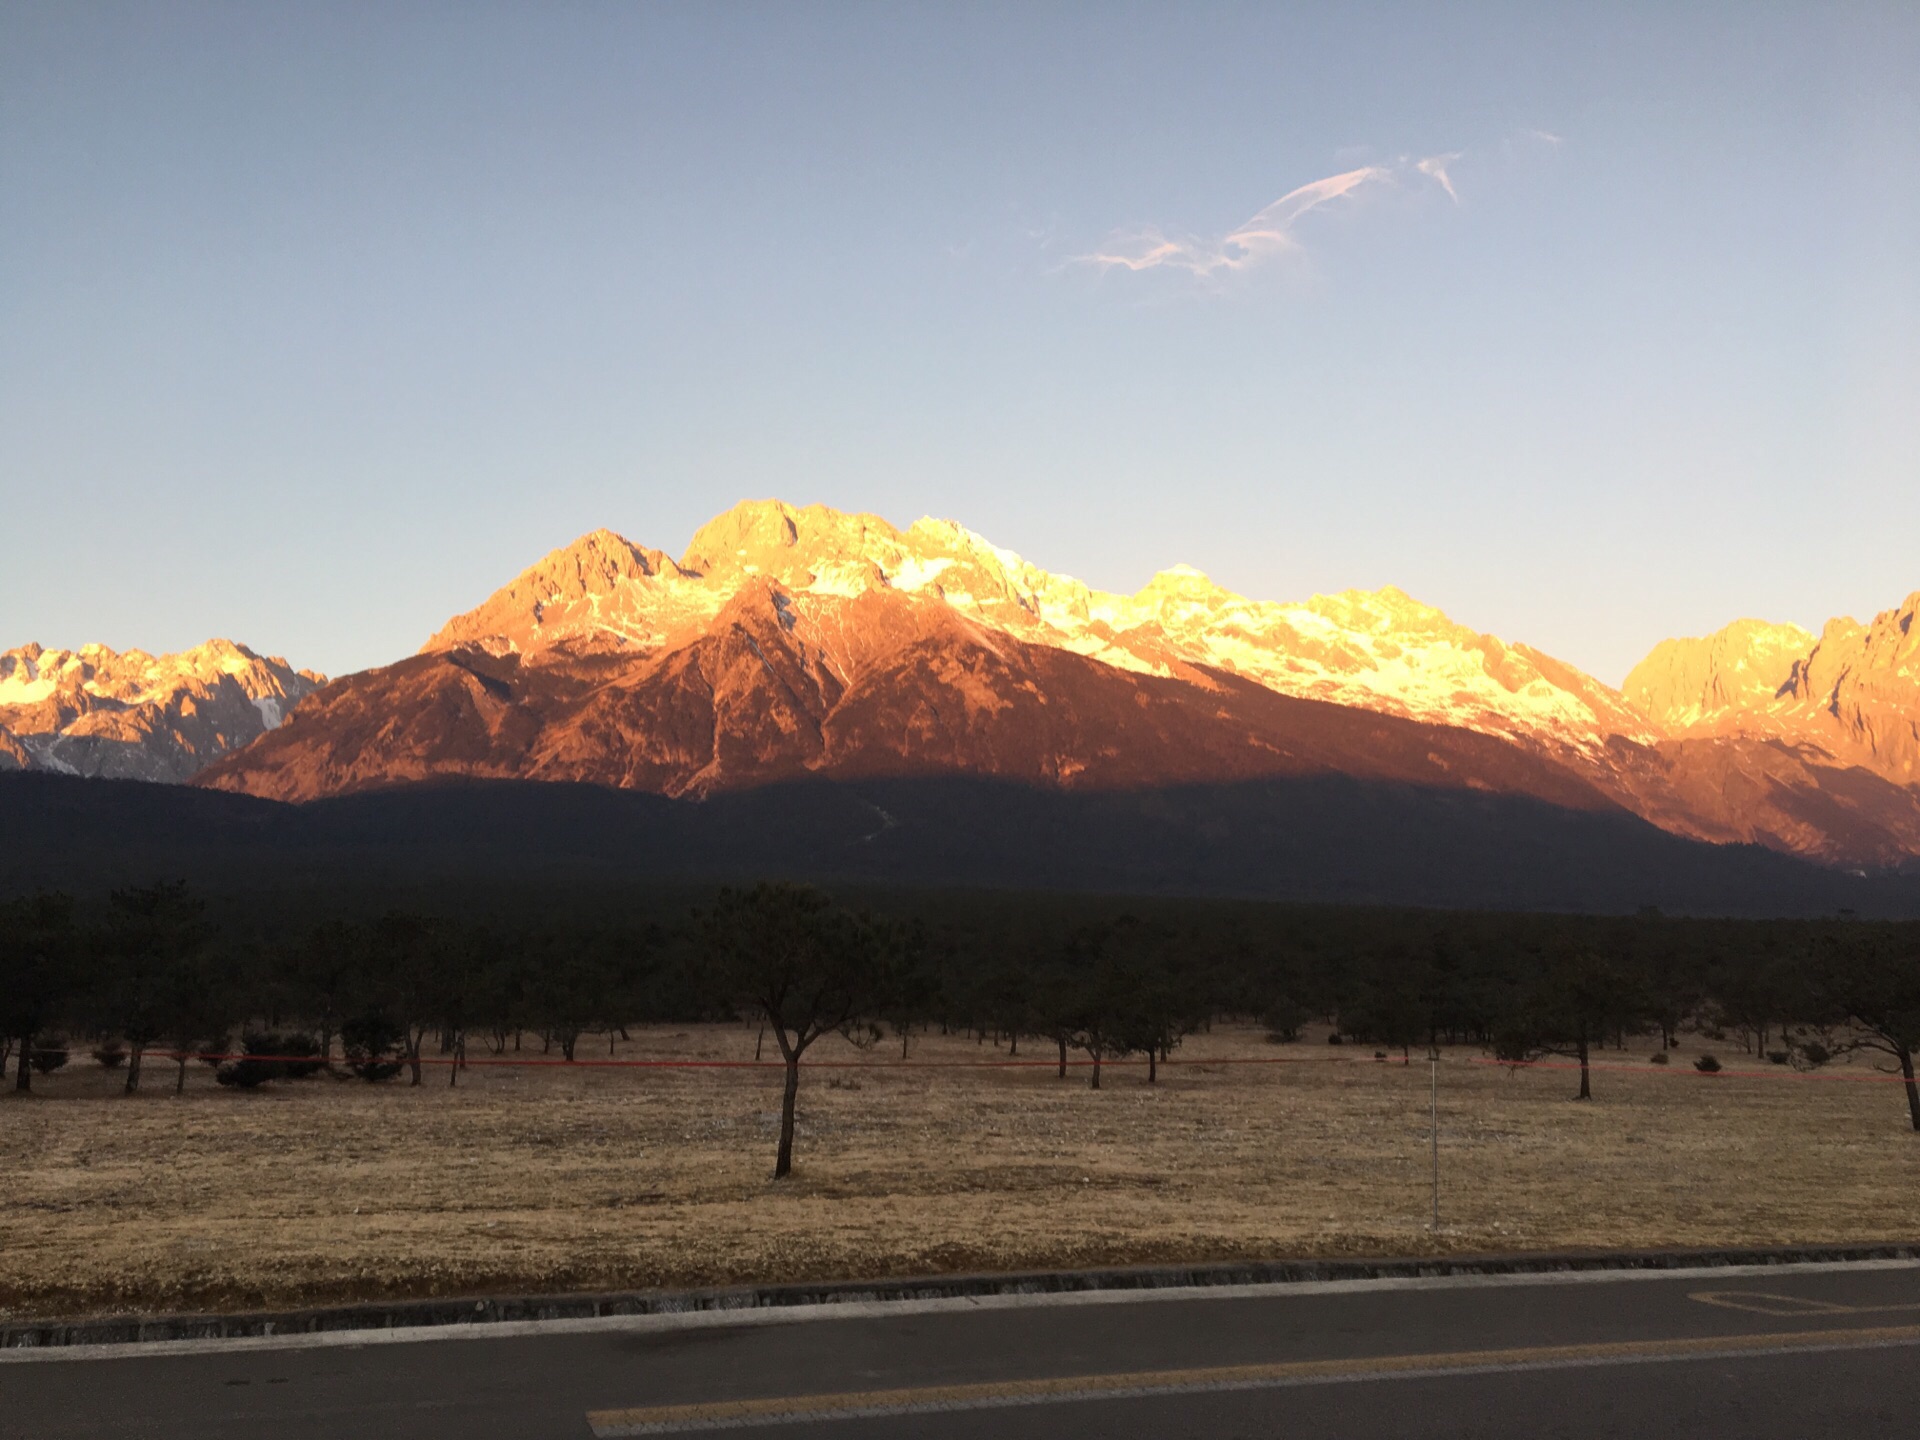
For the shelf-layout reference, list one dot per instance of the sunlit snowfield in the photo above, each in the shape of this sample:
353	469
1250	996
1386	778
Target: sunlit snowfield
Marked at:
539	1179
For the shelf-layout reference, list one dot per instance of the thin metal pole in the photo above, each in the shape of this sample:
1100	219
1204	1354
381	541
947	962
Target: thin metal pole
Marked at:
1433	1127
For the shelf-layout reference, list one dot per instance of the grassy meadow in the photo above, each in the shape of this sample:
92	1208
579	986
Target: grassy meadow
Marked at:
541	1178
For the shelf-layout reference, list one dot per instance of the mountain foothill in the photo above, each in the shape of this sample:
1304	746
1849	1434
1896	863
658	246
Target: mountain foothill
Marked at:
806	647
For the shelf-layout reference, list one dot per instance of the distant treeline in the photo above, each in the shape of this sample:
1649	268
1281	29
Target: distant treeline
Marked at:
156	969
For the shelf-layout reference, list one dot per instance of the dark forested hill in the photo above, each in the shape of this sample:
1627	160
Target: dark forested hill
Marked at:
1330	839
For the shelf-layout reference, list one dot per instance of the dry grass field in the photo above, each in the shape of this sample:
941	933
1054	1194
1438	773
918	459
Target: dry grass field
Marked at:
542	1179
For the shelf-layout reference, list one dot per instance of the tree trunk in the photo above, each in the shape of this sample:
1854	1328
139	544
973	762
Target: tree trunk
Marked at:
1153	1066
903	1042
1586	1088
459	1059
1095	1052
568	1040
1013	1044
414	1040
758	1041
1063	1060
180	1077
1913	1091
133	1069
783	1162
23	1074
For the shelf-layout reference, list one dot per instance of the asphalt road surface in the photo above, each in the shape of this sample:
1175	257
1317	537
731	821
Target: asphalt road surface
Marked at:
1789	1353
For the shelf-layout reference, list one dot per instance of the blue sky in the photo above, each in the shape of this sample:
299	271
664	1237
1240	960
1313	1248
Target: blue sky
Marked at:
319	322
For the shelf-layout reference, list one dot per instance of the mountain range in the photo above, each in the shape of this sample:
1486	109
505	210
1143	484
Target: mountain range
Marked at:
134	716
790	645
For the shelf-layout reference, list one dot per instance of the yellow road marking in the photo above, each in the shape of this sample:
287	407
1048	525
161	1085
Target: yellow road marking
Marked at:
1760	1302
731	1414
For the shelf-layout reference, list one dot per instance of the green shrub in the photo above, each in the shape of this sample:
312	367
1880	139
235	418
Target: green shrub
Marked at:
270	1055
1283	1019
372	1044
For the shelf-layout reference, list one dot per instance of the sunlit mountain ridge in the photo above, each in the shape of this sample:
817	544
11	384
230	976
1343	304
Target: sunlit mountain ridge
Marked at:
787	642
1380	650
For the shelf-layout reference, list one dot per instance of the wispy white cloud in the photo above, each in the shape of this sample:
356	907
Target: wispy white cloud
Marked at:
1268	235
1434	167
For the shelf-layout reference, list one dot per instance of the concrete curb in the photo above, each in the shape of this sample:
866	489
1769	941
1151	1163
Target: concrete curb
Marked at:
410	1314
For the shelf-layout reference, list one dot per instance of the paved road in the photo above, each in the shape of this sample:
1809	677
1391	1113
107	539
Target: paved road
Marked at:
1789	1353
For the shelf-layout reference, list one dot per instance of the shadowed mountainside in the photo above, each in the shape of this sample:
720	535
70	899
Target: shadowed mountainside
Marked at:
1326	838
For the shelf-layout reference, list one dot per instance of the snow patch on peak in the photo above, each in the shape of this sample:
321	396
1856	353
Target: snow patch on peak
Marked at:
915	573
1182	580
24	687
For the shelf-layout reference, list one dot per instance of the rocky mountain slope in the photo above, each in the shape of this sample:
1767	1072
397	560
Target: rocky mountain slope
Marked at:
1693	685
786	643
136	716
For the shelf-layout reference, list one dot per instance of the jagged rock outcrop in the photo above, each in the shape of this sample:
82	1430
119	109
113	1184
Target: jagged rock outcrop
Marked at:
1858	692
135	716
601	590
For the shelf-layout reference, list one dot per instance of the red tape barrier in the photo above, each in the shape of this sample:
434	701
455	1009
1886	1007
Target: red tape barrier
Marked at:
1671	1072
477	1060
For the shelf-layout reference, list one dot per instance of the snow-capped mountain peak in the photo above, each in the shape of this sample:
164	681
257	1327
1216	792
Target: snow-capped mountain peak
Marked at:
1381	649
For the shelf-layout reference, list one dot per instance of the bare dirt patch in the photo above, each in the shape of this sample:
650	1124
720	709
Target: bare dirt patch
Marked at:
579	1178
